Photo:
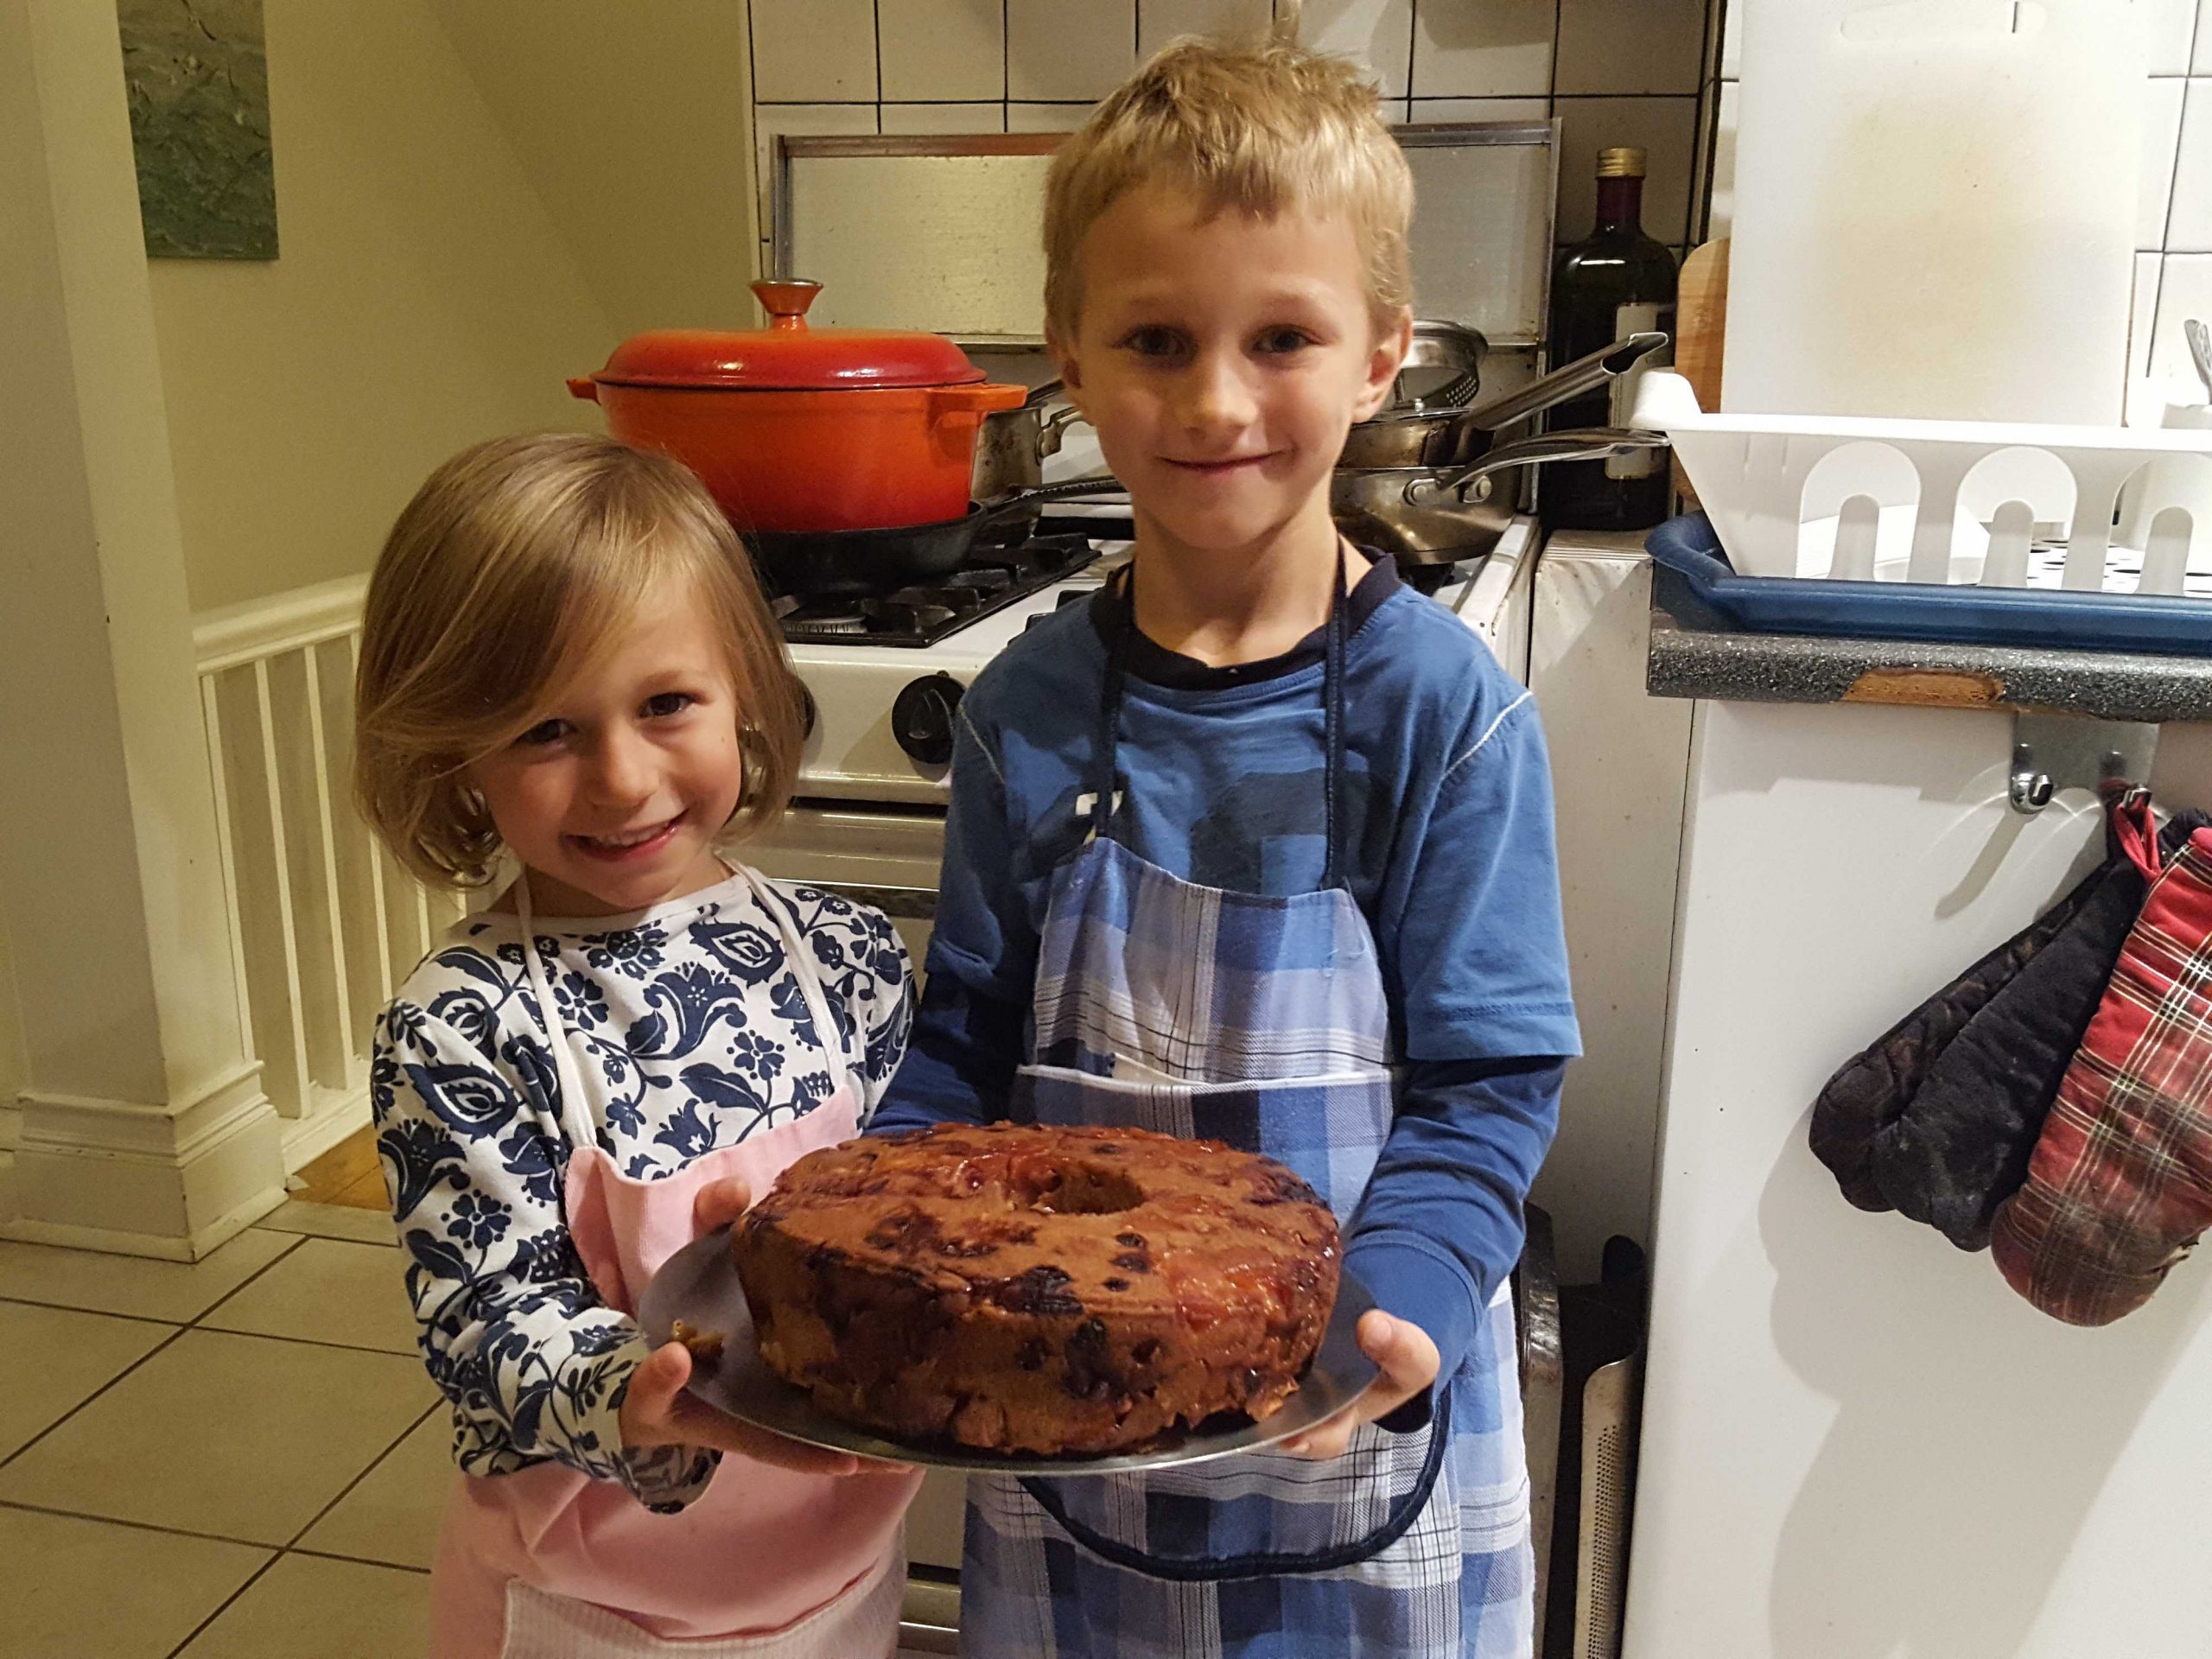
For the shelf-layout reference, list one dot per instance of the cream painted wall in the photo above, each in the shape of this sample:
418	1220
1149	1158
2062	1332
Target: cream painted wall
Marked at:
455	242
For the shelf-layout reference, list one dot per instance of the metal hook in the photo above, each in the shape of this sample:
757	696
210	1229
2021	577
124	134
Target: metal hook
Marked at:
2056	751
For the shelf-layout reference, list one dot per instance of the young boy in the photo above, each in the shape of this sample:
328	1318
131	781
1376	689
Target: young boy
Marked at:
1257	847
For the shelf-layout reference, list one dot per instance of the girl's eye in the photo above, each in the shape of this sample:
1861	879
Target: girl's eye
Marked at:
546	731
666	703
1282	342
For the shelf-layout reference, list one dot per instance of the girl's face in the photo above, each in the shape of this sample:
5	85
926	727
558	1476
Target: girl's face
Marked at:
614	795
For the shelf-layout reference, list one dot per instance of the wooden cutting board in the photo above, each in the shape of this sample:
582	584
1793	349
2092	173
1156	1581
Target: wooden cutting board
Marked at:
1700	327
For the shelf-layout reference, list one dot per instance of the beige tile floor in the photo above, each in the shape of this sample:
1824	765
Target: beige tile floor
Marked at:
239	1458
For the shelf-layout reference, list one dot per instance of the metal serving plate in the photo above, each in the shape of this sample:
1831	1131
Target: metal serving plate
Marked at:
699	1286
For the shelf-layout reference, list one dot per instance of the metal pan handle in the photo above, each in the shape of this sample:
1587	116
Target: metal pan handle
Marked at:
1583	374
1585	443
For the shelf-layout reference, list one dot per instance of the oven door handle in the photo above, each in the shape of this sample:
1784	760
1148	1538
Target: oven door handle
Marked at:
901	904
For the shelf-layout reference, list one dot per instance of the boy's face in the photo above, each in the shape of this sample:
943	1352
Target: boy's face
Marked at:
1222	359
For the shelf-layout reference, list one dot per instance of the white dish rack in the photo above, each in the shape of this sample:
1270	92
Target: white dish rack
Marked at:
1946	502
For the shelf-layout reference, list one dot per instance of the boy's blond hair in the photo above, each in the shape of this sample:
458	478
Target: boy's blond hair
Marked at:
515	569
1260	128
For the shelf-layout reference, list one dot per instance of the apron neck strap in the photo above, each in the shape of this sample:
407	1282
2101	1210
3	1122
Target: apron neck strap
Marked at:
577	1120
1332	716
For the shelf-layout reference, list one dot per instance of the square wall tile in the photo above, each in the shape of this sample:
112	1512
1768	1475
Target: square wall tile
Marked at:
1480	108
2162	111
2169	28
943	49
231	1437
1046	118
901	120
179	1292
1161	20
1378	33
52	1359
332	1610
349	1295
81	1589
772	120
1069	49
2188	225
1666	128
2200	64
1495	49
814	52
391	1516
2184	291
1630	45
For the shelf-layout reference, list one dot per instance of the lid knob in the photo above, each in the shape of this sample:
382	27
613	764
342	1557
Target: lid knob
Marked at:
785	302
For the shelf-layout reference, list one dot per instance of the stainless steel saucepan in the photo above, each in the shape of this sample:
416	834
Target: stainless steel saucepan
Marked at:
1436	438
1429	517
1013	444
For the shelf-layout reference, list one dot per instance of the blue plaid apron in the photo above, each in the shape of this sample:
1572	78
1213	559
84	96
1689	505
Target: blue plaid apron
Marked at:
1263	1022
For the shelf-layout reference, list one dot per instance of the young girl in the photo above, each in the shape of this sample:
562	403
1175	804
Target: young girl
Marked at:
565	658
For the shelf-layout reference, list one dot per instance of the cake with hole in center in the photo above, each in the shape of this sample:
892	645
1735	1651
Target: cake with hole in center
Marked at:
1038	1290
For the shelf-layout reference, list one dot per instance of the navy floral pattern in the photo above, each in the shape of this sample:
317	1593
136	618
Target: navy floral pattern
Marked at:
692	1034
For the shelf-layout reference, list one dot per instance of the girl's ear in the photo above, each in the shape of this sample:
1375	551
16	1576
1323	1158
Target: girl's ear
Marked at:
1383	362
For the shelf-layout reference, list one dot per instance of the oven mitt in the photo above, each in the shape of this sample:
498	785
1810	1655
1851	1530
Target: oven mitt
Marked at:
1874	1087
2119	1185
1961	1145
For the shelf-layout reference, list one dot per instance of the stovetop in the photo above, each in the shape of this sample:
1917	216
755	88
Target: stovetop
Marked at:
918	616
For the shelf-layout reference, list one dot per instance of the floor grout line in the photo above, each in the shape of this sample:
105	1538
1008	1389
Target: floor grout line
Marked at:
256	1577
138	1526
174	1337
357	1561
373	1463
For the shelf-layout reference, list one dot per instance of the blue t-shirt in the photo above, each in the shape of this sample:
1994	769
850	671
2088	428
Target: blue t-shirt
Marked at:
1448	851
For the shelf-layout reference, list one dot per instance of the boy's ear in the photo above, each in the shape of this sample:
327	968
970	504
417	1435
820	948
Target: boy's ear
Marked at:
1388	355
1062	353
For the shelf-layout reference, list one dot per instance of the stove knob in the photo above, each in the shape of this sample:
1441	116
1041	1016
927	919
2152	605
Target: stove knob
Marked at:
809	713
922	718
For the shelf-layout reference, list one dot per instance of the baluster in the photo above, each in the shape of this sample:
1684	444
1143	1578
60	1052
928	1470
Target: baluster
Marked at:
255	810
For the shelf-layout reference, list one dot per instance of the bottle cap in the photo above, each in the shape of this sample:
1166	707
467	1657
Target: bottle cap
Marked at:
1625	163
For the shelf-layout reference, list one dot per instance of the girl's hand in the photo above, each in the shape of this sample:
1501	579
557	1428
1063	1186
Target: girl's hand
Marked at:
1408	1363
656	1411
719	1203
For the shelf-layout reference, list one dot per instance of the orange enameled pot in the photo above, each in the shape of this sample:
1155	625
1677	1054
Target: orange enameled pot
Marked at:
801	428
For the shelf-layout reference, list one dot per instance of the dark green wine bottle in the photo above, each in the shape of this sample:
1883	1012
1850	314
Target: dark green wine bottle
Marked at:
1615	282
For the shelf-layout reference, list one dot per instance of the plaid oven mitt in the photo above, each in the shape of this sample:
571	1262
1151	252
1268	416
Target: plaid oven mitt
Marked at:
2119	1185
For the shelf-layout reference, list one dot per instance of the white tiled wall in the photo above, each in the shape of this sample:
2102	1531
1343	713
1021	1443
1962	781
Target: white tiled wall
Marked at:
2173	239
1616	71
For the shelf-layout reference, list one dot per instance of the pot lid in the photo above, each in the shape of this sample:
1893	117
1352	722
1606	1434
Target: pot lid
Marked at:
787	355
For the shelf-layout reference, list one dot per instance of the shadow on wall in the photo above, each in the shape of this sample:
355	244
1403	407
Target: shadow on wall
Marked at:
1972	1436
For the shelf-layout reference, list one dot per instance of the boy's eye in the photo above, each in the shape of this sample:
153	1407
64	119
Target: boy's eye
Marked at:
1282	342
1153	341
666	703
546	731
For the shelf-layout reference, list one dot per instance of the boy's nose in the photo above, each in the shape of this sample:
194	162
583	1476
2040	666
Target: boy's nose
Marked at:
1215	396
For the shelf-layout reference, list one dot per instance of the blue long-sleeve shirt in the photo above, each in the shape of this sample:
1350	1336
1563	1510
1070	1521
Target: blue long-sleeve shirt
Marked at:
1449	854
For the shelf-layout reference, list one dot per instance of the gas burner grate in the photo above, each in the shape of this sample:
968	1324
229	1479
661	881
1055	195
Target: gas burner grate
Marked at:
924	613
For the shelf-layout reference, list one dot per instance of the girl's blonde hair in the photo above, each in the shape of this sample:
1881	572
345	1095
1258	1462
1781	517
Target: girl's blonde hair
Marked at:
516	568
1261	128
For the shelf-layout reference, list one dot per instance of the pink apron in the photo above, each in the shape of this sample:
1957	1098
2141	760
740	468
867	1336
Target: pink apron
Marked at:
548	1563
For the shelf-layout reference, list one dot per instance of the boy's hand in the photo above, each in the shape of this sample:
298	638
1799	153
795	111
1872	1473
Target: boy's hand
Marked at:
1408	1363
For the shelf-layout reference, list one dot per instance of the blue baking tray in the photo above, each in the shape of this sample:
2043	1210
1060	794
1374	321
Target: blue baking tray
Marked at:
1925	611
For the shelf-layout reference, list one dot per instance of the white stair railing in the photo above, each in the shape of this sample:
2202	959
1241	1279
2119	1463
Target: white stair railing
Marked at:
325	923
